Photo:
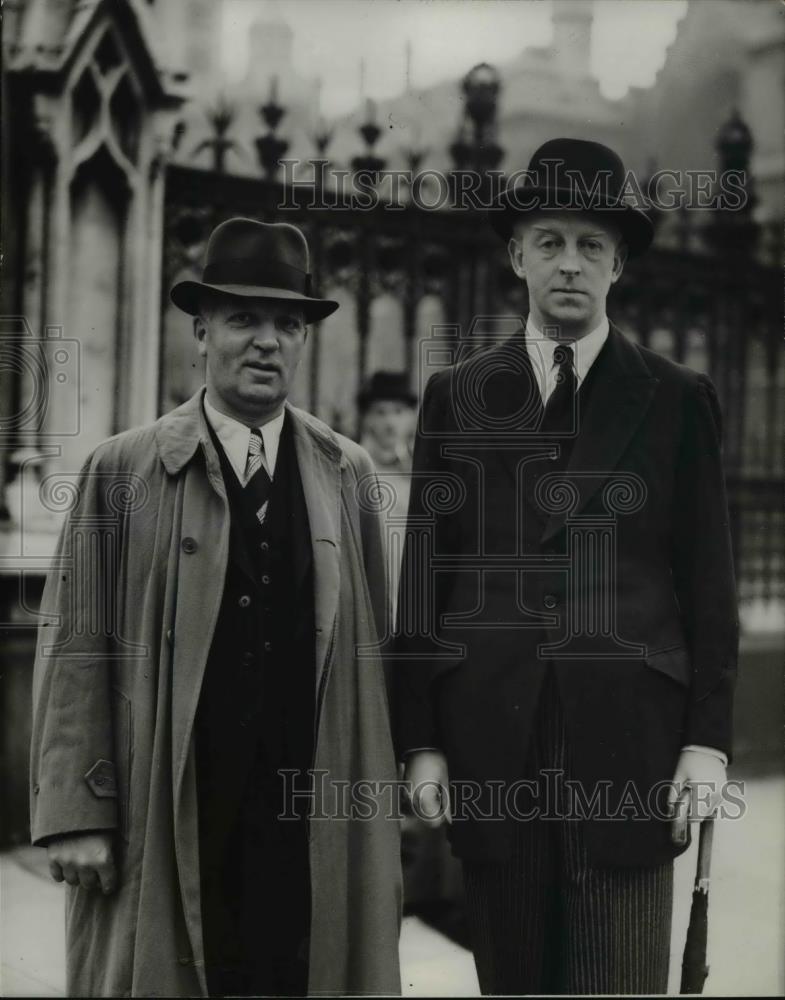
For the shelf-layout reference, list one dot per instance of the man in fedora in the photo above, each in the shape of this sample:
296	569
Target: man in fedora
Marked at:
567	670
208	681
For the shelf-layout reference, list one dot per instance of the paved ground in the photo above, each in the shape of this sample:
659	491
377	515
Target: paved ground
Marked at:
746	927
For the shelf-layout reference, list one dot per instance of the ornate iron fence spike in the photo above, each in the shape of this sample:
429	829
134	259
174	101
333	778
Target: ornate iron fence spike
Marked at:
221	116
271	148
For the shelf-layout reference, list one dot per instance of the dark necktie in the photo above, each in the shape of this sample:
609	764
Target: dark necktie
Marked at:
257	480
558	414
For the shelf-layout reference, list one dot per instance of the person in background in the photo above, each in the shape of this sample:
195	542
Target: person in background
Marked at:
388	410
433	889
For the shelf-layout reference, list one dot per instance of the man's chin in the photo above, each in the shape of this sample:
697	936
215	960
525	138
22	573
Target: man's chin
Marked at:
261	397
568	314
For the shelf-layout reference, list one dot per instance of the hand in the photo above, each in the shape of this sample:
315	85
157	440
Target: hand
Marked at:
696	791
426	773
84	859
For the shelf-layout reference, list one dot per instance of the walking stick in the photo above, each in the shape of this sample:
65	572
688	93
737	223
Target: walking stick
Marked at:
694	969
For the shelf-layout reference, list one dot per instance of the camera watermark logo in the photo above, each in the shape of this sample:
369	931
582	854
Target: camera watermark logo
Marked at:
48	371
532	524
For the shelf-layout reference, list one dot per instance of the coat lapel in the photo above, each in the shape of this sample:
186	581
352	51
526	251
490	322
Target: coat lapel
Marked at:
300	539
622	392
198	561
319	459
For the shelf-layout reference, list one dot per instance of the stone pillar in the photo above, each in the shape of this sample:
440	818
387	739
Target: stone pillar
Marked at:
89	280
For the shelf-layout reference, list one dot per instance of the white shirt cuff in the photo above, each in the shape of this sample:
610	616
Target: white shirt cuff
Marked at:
711	751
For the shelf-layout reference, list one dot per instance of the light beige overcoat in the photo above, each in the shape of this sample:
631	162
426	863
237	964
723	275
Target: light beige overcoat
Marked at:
132	601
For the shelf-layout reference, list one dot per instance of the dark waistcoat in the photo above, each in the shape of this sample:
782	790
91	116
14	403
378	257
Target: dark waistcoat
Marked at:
256	708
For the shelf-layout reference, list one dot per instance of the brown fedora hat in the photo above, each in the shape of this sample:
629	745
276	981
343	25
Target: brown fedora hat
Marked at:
261	259
574	175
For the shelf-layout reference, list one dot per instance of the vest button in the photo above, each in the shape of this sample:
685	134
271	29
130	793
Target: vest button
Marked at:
189	545
265	578
550	601
248	658
268	647
245	601
264	546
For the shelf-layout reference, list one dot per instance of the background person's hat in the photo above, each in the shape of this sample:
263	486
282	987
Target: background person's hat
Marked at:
386	386
573	174
261	259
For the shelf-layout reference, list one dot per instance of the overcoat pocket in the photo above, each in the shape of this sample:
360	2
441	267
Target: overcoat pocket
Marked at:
674	661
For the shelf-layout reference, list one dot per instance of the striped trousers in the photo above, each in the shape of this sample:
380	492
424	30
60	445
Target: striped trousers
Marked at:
545	921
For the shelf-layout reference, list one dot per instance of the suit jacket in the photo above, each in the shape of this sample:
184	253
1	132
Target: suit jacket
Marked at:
603	554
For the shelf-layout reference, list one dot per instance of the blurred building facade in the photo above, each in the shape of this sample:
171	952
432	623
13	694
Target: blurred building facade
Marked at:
727	55
122	148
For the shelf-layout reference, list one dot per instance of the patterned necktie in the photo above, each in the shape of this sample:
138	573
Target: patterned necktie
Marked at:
257	479
558	413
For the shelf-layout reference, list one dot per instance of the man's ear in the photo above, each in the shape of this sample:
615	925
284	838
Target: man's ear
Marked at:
200	335
619	260
515	250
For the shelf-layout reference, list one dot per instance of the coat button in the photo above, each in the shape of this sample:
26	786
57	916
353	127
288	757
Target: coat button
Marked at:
550	601
245	601
189	545
36	789
184	960
170	636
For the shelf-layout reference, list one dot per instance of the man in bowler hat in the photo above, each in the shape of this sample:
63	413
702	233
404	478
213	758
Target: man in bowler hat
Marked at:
185	760
567	673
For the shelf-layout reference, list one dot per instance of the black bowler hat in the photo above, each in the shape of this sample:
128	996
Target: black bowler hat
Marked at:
261	259
573	174
386	386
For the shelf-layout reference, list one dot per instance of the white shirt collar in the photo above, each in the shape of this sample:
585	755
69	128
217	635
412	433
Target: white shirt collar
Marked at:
235	437
540	349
